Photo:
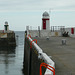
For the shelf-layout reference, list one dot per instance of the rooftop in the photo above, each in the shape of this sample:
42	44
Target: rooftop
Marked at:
45	14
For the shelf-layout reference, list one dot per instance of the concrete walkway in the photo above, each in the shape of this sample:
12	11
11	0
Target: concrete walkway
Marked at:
62	55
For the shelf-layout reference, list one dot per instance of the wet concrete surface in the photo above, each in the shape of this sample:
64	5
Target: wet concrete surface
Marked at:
62	55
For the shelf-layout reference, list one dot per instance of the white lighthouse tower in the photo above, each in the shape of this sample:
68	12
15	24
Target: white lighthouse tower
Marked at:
45	21
6	27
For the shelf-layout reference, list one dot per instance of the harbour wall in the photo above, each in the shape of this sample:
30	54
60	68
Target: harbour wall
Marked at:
44	33
33	57
48	33
7	39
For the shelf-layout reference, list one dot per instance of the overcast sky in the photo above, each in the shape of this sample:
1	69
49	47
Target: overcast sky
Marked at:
20	13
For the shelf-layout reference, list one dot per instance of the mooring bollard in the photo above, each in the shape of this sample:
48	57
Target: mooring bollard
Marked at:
47	38
63	41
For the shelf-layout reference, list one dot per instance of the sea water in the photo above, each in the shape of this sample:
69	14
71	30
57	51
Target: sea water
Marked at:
11	59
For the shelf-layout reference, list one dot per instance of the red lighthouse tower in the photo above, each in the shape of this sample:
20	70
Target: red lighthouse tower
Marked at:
45	21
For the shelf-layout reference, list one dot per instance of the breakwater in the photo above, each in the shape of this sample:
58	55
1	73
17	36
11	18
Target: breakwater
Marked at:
34	57
7	39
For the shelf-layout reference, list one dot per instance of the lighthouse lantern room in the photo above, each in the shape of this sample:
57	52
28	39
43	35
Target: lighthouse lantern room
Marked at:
45	21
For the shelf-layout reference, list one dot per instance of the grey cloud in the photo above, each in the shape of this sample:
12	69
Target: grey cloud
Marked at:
22	5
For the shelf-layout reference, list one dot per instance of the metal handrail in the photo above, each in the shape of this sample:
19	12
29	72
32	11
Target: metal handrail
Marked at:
31	42
47	66
29	36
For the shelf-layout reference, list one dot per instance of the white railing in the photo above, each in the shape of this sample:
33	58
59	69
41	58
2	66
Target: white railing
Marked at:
44	57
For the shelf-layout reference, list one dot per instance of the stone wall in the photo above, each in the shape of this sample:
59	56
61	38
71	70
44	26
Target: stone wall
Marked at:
9	40
11	35
31	62
44	33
